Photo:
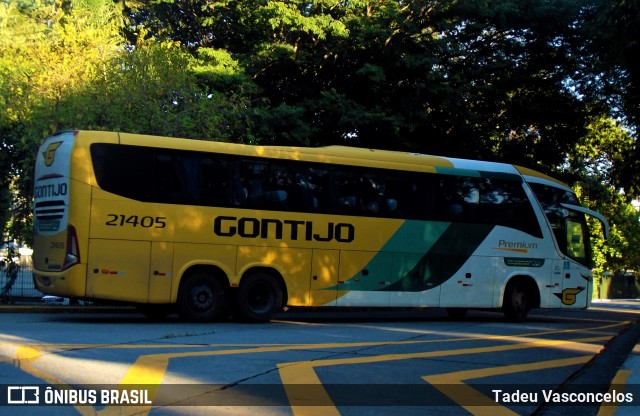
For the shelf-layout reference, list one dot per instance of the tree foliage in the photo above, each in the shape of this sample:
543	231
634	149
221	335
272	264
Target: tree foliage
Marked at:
530	82
598	156
49	50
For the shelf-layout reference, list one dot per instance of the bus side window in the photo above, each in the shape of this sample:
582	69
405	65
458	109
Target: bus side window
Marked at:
266	185
124	170
167	187
278	186
504	202
426	198
253	177
303	191
401	199
189	174
371	194
215	183
346	200
321	181
460	198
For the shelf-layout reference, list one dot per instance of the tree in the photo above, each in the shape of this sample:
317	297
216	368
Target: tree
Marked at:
529	82
152	88
459	78
72	69
597	157
611	71
521	81
49	50
611	32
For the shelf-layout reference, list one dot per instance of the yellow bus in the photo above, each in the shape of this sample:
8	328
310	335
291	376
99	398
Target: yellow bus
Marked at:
208	228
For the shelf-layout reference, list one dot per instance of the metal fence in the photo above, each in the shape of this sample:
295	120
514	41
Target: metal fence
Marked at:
22	288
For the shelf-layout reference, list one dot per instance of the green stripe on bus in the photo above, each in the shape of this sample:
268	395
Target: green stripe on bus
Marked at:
458	172
421	256
439	264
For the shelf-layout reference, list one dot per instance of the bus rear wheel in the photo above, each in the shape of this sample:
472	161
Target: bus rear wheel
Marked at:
201	298
517	302
259	297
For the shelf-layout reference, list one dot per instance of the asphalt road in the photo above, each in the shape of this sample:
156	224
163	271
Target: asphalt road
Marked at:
413	362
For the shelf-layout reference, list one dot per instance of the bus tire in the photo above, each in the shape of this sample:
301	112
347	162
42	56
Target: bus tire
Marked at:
201	298
517	302
259	297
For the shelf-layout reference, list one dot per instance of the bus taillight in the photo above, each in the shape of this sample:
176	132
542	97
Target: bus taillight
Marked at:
72	255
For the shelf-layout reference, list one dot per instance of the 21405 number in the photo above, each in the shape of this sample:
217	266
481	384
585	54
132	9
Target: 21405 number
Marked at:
120	220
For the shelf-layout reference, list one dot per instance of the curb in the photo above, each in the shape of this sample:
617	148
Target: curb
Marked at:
9	308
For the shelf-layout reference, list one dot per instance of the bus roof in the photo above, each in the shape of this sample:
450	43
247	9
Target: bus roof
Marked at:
534	176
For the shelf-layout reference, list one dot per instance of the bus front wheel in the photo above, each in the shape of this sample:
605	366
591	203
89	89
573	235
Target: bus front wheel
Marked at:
259	297
201	298
517	302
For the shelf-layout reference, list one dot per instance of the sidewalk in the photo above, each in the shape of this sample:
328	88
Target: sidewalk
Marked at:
629	373
45	307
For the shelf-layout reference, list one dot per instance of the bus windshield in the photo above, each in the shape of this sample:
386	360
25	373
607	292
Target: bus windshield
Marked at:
567	219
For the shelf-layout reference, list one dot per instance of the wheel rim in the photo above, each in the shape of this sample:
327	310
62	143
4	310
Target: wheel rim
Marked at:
260	298
201	297
520	301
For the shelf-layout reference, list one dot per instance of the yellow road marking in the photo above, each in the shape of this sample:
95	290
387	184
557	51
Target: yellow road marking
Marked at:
150	369
620	378
26	355
452	385
303	372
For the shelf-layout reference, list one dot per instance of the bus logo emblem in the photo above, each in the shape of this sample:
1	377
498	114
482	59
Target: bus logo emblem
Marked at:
50	153
568	296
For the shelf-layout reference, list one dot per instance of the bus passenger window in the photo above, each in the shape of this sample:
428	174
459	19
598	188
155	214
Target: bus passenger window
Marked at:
215	183
371	193
302	192
347	186
266	184
167	187
504	202
319	180
277	186
253	177
124	170
459	198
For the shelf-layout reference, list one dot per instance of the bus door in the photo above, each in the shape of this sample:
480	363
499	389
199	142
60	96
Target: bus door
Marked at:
571	284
